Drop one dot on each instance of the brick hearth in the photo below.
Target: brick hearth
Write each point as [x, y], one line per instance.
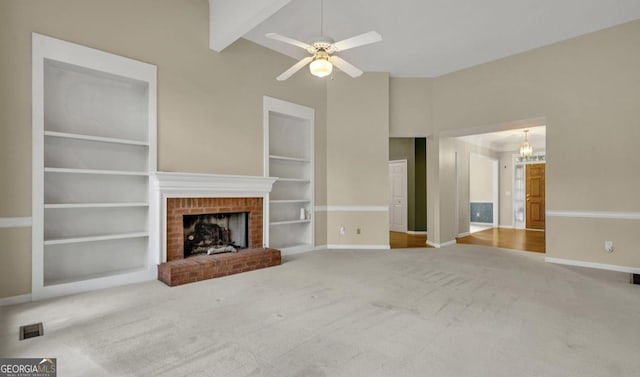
[178, 270]
[204, 267]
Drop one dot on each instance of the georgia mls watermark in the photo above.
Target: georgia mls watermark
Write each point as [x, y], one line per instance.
[28, 367]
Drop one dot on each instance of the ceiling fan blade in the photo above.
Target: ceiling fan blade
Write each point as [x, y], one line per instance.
[344, 66]
[295, 68]
[288, 40]
[358, 40]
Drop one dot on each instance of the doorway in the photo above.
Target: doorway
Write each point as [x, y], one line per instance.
[398, 196]
[529, 196]
[510, 228]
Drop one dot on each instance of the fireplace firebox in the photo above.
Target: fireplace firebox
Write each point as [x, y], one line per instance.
[214, 233]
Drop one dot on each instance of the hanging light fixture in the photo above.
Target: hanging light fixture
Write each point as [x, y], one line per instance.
[321, 66]
[526, 150]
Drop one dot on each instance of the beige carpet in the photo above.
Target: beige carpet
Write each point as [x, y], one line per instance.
[458, 311]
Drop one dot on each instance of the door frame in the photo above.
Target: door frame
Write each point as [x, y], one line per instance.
[406, 194]
[515, 163]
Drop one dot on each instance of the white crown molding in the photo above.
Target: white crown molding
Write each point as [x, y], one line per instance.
[595, 214]
[15, 222]
[440, 245]
[600, 266]
[357, 247]
[352, 209]
[13, 300]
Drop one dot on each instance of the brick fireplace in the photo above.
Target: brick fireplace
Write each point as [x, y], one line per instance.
[180, 194]
[177, 207]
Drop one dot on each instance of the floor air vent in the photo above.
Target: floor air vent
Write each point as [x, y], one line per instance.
[31, 331]
[635, 279]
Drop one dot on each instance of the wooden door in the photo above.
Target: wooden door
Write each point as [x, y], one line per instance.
[398, 196]
[535, 196]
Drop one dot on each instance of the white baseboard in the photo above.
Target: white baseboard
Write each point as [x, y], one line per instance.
[600, 266]
[15, 222]
[357, 247]
[21, 299]
[417, 232]
[439, 245]
[464, 234]
[321, 247]
[505, 226]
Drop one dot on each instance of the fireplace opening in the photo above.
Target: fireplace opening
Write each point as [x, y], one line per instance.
[215, 233]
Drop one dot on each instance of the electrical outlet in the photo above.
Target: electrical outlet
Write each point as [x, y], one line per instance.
[608, 246]
[342, 230]
[358, 231]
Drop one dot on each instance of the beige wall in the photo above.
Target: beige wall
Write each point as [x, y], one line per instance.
[464, 152]
[357, 152]
[209, 104]
[410, 107]
[480, 179]
[15, 254]
[588, 90]
[374, 228]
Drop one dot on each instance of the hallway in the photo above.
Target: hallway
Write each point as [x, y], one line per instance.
[517, 239]
[399, 240]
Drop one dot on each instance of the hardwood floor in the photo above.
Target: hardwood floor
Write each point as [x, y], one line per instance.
[517, 239]
[399, 240]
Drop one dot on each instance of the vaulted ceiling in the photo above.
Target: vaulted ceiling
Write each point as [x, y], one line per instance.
[421, 38]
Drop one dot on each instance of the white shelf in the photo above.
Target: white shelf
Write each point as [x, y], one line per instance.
[289, 155]
[289, 201]
[94, 149]
[104, 237]
[73, 279]
[94, 171]
[95, 205]
[67, 135]
[276, 223]
[285, 158]
[294, 180]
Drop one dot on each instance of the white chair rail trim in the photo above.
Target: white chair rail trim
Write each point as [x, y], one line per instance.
[15, 222]
[594, 214]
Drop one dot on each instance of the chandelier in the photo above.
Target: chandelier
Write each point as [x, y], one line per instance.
[525, 149]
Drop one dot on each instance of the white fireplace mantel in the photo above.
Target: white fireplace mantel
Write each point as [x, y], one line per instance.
[196, 185]
[190, 184]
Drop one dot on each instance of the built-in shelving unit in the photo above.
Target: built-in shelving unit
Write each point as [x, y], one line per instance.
[289, 157]
[94, 135]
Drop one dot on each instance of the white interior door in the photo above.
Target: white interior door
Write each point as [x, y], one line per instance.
[398, 195]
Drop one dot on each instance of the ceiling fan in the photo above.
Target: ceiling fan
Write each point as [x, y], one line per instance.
[322, 52]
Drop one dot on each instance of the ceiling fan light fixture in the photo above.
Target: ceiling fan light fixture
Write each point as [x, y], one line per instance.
[321, 67]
